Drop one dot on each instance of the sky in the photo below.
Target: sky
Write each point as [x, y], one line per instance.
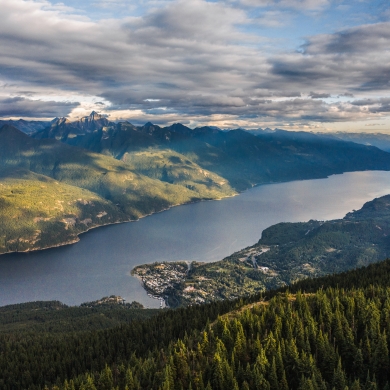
[315, 65]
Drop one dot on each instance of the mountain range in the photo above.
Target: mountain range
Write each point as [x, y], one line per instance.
[71, 176]
[28, 127]
[94, 121]
[238, 156]
[380, 140]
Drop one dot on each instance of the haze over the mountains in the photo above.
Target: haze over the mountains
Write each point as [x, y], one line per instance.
[63, 128]
[295, 64]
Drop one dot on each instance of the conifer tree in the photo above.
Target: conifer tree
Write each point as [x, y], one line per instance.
[245, 386]
[168, 383]
[355, 385]
[129, 380]
[105, 379]
[218, 373]
[381, 360]
[88, 384]
[273, 376]
[339, 380]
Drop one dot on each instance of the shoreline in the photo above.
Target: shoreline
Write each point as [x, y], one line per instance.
[148, 291]
[78, 238]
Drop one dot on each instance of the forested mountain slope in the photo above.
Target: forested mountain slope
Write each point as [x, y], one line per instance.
[50, 191]
[237, 156]
[380, 140]
[57, 318]
[330, 335]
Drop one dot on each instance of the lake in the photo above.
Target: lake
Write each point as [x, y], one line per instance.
[100, 264]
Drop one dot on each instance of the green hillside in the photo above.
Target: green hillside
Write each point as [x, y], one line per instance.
[286, 253]
[39, 216]
[331, 335]
[38, 212]
[144, 153]
[172, 167]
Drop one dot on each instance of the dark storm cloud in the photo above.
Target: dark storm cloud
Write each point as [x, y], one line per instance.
[357, 59]
[367, 102]
[315, 95]
[19, 106]
[360, 40]
[374, 105]
[346, 94]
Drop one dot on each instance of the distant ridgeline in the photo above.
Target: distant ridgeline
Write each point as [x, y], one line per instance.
[69, 177]
[322, 334]
[286, 253]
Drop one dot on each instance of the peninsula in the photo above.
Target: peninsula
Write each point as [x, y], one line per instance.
[285, 254]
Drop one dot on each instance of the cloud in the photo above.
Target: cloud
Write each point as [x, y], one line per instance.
[315, 95]
[374, 106]
[346, 94]
[369, 102]
[193, 59]
[20, 106]
[357, 40]
[273, 18]
[354, 60]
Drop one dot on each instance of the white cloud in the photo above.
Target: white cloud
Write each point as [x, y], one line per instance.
[191, 60]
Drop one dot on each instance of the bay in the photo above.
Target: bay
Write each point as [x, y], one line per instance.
[100, 264]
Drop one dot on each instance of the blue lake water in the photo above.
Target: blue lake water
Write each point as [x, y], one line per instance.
[100, 264]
